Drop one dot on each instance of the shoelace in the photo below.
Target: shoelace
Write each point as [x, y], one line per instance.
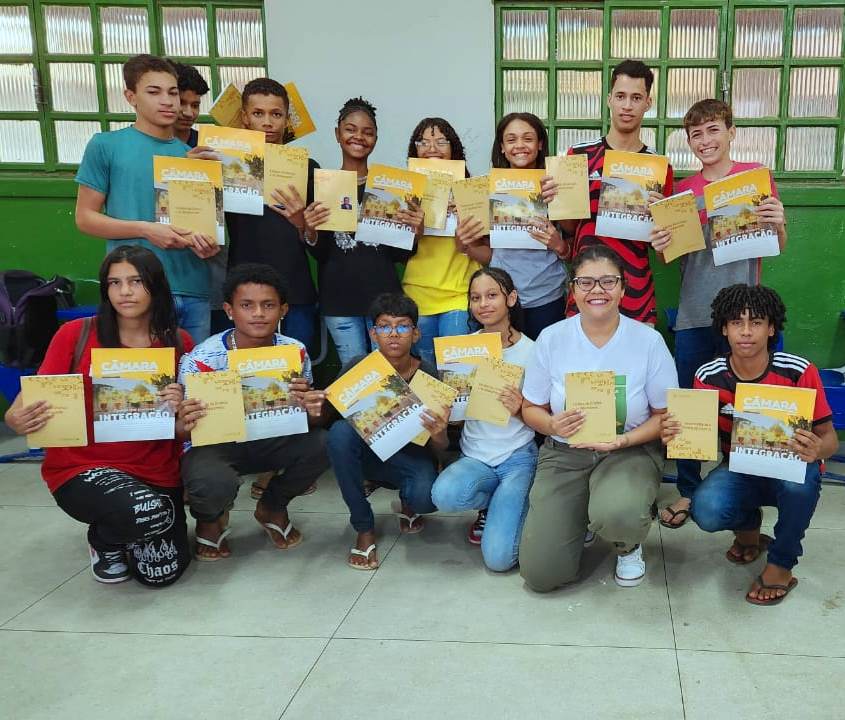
[480, 521]
[113, 557]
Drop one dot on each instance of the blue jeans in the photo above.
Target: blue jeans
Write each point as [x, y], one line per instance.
[469, 484]
[538, 319]
[693, 348]
[193, 315]
[300, 323]
[731, 501]
[411, 473]
[445, 324]
[350, 336]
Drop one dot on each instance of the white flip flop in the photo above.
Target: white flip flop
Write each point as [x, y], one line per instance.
[210, 543]
[269, 528]
[364, 554]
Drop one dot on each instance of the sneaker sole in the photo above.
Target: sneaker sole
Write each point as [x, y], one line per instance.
[590, 543]
[116, 580]
[628, 582]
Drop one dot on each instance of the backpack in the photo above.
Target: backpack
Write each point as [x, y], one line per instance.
[28, 305]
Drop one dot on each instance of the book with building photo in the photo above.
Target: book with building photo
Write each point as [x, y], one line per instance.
[242, 155]
[627, 178]
[679, 214]
[572, 200]
[285, 165]
[66, 396]
[458, 357]
[337, 190]
[472, 199]
[438, 192]
[389, 191]
[435, 395]
[516, 204]
[193, 210]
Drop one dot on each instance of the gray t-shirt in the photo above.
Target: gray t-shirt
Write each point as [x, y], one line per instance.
[539, 275]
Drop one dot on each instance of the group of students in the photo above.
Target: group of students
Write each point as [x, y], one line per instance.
[536, 508]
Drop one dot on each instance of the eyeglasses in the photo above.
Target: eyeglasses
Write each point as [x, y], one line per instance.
[606, 282]
[386, 330]
[428, 144]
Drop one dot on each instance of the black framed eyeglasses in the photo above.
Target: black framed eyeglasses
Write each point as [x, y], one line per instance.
[386, 330]
[605, 282]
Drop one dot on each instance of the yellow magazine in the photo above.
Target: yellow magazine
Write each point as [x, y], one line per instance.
[338, 191]
[378, 404]
[439, 222]
[388, 191]
[458, 356]
[435, 395]
[285, 165]
[572, 201]
[242, 155]
[224, 420]
[226, 109]
[627, 179]
[594, 393]
[265, 374]
[472, 198]
[679, 214]
[516, 203]
[167, 169]
[765, 419]
[300, 123]
[491, 378]
[125, 398]
[698, 413]
[66, 396]
[736, 233]
[193, 206]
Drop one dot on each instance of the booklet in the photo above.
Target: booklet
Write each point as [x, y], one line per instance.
[595, 394]
[224, 420]
[300, 123]
[438, 193]
[388, 191]
[736, 232]
[435, 395]
[125, 399]
[572, 201]
[285, 165]
[226, 111]
[338, 191]
[491, 377]
[515, 205]
[698, 413]
[626, 180]
[765, 419]
[265, 374]
[472, 198]
[66, 395]
[205, 172]
[679, 213]
[242, 155]
[458, 356]
[193, 206]
[378, 404]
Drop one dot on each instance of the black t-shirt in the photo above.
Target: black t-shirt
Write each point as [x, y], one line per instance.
[271, 239]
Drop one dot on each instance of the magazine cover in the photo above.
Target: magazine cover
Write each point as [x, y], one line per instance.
[125, 399]
[698, 413]
[516, 203]
[300, 122]
[388, 191]
[627, 179]
[242, 155]
[338, 191]
[379, 404]
[435, 395]
[265, 376]
[679, 214]
[285, 165]
[439, 221]
[224, 420]
[458, 356]
[736, 233]
[166, 169]
[472, 199]
[66, 396]
[572, 201]
[765, 419]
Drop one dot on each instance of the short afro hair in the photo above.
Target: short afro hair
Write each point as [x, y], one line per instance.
[189, 78]
[255, 274]
[394, 305]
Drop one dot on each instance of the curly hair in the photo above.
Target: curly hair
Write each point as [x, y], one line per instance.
[357, 104]
[458, 152]
[760, 302]
[254, 274]
[189, 78]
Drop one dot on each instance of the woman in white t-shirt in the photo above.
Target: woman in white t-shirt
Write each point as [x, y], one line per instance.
[496, 467]
[608, 489]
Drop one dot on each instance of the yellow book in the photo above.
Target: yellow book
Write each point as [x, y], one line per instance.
[472, 198]
[193, 206]
[627, 178]
[572, 201]
[458, 356]
[224, 420]
[66, 396]
[435, 395]
[765, 419]
[226, 109]
[300, 123]
[167, 169]
[242, 155]
[698, 413]
[265, 374]
[285, 165]
[491, 378]
[378, 404]
[516, 204]
[439, 222]
[388, 191]
[594, 393]
[679, 214]
[338, 191]
[735, 231]
[125, 399]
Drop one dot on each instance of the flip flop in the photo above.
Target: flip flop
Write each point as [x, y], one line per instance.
[364, 554]
[759, 547]
[396, 506]
[269, 528]
[775, 600]
[210, 543]
[674, 513]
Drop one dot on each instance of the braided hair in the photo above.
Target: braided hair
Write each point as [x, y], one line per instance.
[458, 152]
[760, 302]
[357, 104]
[516, 314]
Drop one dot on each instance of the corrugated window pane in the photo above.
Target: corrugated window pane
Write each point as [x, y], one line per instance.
[71, 138]
[677, 148]
[239, 33]
[694, 34]
[525, 91]
[239, 76]
[687, 86]
[758, 33]
[635, 34]
[649, 137]
[208, 98]
[817, 32]
[115, 101]
[525, 35]
[567, 137]
[20, 141]
[15, 31]
[579, 94]
[755, 144]
[579, 34]
[125, 30]
[755, 92]
[185, 31]
[16, 87]
[813, 91]
[68, 29]
[74, 87]
[652, 113]
[119, 124]
[810, 148]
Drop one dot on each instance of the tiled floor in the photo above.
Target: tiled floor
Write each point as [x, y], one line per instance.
[299, 635]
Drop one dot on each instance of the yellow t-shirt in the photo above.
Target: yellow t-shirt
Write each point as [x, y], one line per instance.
[437, 276]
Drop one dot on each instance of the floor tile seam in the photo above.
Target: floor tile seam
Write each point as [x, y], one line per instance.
[507, 643]
[43, 597]
[715, 651]
[113, 633]
[672, 621]
[304, 679]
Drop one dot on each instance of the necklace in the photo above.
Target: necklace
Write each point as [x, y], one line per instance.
[232, 340]
[362, 179]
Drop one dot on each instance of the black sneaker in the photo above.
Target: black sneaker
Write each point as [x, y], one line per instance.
[476, 530]
[109, 566]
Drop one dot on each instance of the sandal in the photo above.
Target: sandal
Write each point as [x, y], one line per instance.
[210, 543]
[256, 490]
[364, 554]
[674, 513]
[771, 601]
[743, 549]
[270, 528]
[412, 529]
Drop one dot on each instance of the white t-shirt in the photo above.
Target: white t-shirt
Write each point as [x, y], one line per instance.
[493, 444]
[636, 351]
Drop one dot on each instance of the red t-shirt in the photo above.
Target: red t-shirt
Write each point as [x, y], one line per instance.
[154, 461]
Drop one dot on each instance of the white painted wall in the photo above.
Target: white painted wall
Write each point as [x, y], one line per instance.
[411, 60]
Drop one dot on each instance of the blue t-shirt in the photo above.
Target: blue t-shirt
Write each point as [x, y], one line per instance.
[119, 164]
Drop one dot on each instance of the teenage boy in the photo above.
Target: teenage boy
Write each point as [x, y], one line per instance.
[629, 100]
[412, 470]
[750, 318]
[116, 201]
[255, 301]
[192, 88]
[276, 237]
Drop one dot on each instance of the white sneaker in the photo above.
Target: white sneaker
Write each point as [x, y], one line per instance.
[630, 568]
[589, 539]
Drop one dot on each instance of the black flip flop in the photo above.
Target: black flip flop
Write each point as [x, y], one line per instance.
[775, 600]
[760, 547]
[675, 514]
